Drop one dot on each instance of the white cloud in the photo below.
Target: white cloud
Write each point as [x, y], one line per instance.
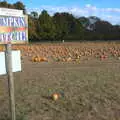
[109, 14]
[116, 10]
[90, 7]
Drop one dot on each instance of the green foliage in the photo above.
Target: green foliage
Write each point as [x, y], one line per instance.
[4, 4]
[19, 5]
[46, 27]
[61, 25]
[34, 14]
[65, 26]
[32, 28]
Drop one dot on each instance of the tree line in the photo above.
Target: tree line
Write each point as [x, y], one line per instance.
[65, 26]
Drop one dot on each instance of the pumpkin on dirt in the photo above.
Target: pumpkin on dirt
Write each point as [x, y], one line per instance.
[39, 59]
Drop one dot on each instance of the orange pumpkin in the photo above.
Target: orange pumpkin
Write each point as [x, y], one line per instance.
[55, 96]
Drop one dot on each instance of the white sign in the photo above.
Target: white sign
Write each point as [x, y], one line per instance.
[16, 62]
[11, 12]
[2, 63]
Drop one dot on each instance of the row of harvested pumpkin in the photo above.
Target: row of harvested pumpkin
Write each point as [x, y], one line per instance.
[39, 59]
[68, 53]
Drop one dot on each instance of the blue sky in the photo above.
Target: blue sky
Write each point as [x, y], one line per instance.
[105, 9]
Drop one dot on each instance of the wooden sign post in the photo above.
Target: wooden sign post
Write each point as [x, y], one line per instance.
[13, 30]
[8, 59]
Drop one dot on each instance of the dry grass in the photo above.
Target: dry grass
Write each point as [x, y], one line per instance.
[90, 91]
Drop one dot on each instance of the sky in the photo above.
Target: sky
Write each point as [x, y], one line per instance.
[108, 10]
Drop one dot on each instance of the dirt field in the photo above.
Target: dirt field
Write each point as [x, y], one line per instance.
[90, 90]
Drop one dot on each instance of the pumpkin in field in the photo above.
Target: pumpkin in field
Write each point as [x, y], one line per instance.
[44, 59]
[35, 59]
[55, 96]
[39, 59]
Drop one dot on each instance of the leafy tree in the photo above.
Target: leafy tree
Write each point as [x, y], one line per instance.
[65, 26]
[4, 4]
[19, 5]
[32, 28]
[34, 14]
[46, 27]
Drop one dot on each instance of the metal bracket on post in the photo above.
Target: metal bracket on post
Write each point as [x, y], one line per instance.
[8, 59]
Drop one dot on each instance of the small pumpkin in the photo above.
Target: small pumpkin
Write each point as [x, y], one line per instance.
[55, 96]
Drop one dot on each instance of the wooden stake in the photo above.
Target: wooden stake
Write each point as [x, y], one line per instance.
[8, 58]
